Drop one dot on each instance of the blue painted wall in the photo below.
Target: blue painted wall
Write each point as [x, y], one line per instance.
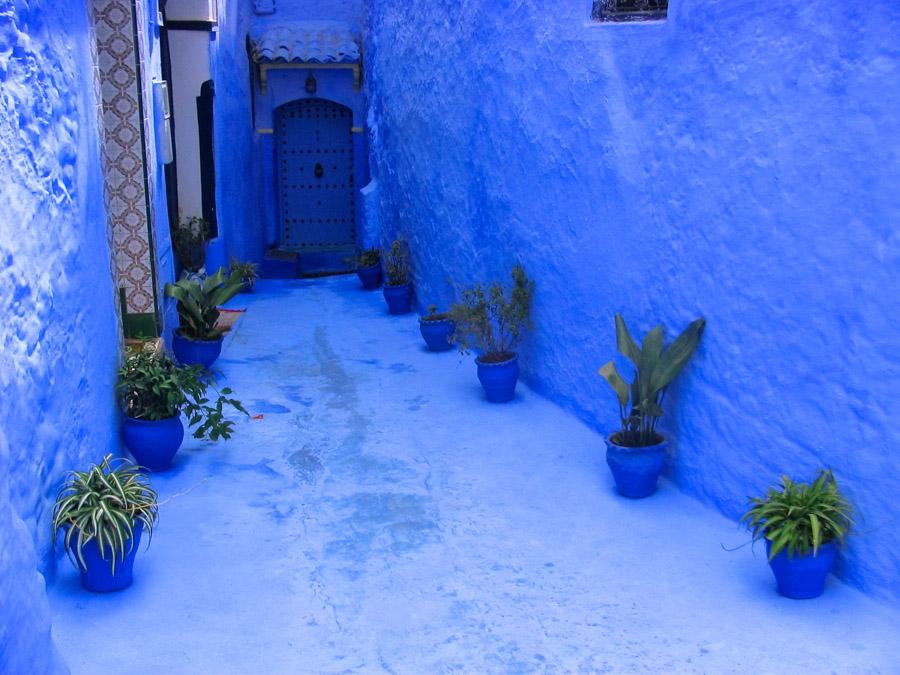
[349, 11]
[730, 161]
[58, 333]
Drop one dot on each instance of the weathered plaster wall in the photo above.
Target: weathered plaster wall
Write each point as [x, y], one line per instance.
[349, 11]
[729, 162]
[240, 192]
[58, 328]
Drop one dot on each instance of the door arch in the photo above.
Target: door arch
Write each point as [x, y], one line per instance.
[314, 172]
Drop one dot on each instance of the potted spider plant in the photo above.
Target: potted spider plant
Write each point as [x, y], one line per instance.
[246, 271]
[368, 268]
[494, 322]
[197, 340]
[102, 513]
[803, 525]
[437, 329]
[637, 453]
[155, 391]
[398, 287]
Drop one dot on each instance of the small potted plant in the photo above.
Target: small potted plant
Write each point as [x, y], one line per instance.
[155, 391]
[494, 324]
[398, 288]
[437, 329]
[368, 268]
[803, 525]
[636, 454]
[189, 243]
[197, 341]
[102, 513]
[246, 271]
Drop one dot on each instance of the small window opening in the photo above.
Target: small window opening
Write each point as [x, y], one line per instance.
[630, 10]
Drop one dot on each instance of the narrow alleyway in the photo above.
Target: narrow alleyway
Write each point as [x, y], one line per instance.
[381, 517]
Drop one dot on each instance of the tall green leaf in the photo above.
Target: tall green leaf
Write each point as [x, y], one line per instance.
[676, 355]
[650, 351]
[615, 380]
[626, 344]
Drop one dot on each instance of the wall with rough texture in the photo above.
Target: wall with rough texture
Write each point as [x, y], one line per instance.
[58, 329]
[350, 11]
[728, 162]
[239, 189]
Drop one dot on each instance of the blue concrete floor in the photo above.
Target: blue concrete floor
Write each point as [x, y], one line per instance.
[381, 517]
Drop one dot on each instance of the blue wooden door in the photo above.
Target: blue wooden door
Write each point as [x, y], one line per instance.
[314, 159]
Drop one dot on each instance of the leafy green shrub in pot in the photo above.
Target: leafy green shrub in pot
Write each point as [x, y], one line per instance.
[189, 242]
[636, 454]
[102, 513]
[155, 391]
[368, 268]
[369, 257]
[246, 271]
[493, 321]
[398, 287]
[197, 340]
[803, 525]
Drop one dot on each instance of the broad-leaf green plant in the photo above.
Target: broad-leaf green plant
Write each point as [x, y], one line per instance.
[246, 271]
[656, 366]
[800, 517]
[104, 504]
[153, 387]
[493, 319]
[189, 239]
[198, 303]
[396, 263]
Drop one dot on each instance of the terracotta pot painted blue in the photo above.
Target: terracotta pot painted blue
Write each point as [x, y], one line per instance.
[803, 577]
[437, 333]
[196, 352]
[636, 470]
[97, 576]
[398, 298]
[153, 444]
[498, 378]
[369, 276]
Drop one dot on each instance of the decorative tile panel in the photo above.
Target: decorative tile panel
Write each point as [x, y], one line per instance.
[125, 156]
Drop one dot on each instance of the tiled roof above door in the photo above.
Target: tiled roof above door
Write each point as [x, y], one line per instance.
[305, 42]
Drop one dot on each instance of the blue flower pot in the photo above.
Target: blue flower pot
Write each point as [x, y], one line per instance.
[153, 443]
[97, 576]
[803, 577]
[498, 378]
[636, 470]
[437, 333]
[369, 276]
[190, 352]
[398, 298]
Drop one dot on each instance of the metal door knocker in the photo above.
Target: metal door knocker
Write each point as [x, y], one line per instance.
[319, 171]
